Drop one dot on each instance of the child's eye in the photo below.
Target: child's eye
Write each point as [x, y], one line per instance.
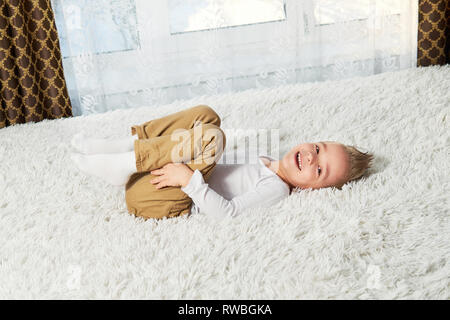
[318, 169]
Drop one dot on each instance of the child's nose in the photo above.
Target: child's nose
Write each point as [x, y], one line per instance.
[311, 157]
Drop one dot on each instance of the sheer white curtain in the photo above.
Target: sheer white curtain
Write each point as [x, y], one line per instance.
[131, 53]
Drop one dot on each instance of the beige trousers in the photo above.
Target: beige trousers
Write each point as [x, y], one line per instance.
[192, 136]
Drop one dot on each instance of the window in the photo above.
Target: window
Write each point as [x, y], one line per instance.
[196, 15]
[100, 27]
[335, 11]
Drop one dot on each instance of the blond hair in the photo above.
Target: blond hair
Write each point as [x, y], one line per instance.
[360, 162]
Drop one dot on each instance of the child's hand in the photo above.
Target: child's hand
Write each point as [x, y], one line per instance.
[172, 175]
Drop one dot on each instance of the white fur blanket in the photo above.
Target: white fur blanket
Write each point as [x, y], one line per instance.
[67, 235]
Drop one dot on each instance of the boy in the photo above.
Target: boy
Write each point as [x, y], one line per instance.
[161, 183]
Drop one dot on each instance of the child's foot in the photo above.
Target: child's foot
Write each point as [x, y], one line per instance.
[88, 145]
[113, 168]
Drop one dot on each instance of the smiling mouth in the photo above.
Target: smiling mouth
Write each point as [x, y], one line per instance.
[297, 160]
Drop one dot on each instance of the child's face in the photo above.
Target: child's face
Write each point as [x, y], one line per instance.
[323, 164]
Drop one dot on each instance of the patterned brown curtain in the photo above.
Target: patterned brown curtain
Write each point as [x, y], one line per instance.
[433, 37]
[32, 84]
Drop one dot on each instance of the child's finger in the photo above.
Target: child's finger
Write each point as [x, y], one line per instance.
[160, 185]
[156, 180]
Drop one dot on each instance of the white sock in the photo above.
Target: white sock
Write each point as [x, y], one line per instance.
[114, 168]
[88, 145]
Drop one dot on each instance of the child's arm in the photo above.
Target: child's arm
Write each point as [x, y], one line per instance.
[215, 205]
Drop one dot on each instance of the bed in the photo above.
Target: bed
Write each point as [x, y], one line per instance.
[65, 235]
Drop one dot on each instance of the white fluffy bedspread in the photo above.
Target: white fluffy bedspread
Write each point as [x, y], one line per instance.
[67, 235]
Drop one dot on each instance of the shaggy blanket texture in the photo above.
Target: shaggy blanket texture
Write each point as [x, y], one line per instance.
[67, 235]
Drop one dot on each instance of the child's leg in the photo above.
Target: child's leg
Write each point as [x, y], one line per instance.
[114, 162]
[181, 146]
[185, 119]
[202, 147]
[150, 154]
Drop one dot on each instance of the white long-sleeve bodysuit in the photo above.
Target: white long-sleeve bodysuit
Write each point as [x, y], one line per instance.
[232, 188]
